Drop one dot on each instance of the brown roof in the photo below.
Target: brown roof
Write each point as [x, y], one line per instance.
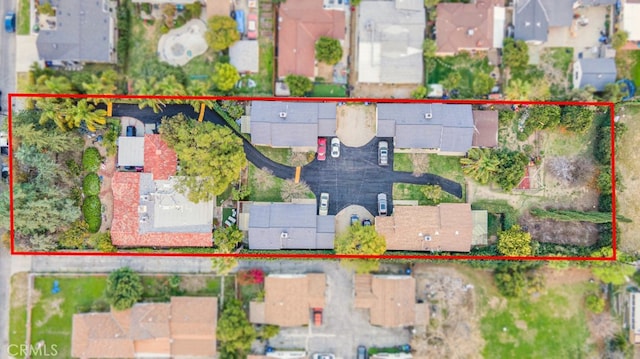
[288, 299]
[186, 326]
[159, 159]
[465, 26]
[125, 223]
[391, 300]
[449, 227]
[300, 25]
[485, 133]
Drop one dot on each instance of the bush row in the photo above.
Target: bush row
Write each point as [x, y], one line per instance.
[92, 211]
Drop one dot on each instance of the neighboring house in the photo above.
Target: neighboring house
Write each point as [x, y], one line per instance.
[244, 56]
[389, 39]
[291, 225]
[289, 299]
[147, 209]
[533, 18]
[631, 23]
[446, 129]
[447, 227]
[390, 299]
[82, 31]
[634, 317]
[300, 25]
[468, 27]
[594, 72]
[182, 328]
[291, 124]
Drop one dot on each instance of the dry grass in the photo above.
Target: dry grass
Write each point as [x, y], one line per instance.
[291, 190]
[420, 162]
[263, 179]
[628, 166]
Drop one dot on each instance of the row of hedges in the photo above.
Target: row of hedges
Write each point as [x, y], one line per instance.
[92, 211]
[91, 207]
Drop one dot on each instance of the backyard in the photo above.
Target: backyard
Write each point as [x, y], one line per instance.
[463, 64]
[628, 65]
[628, 165]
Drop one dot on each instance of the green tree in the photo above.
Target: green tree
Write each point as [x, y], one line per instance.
[361, 240]
[91, 184]
[419, 93]
[431, 3]
[577, 118]
[226, 239]
[235, 109]
[482, 84]
[43, 242]
[44, 140]
[429, 47]
[619, 39]
[298, 85]
[169, 86]
[452, 81]
[543, 117]
[268, 331]
[102, 242]
[515, 242]
[615, 273]
[222, 33]
[511, 169]
[75, 236]
[515, 54]
[481, 164]
[124, 288]
[85, 113]
[225, 76]
[199, 88]
[91, 159]
[92, 212]
[432, 193]
[223, 265]
[595, 303]
[38, 167]
[147, 86]
[613, 92]
[211, 156]
[57, 85]
[234, 332]
[328, 50]
[517, 89]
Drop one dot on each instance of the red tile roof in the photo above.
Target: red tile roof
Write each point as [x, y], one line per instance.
[159, 159]
[301, 25]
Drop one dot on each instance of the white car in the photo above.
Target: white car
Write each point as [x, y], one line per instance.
[324, 204]
[323, 356]
[335, 147]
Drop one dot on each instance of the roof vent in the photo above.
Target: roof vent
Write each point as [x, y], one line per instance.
[284, 235]
[427, 238]
[283, 115]
[144, 197]
[470, 32]
[428, 116]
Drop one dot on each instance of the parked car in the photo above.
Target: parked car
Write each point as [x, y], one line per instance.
[323, 356]
[322, 149]
[324, 204]
[362, 352]
[383, 153]
[240, 21]
[4, 144]
[5, 173]
[10, 21]
[354, 219]
[317, 316]
[366, 222]
[131, 131]
[335, 147]
[252, 26]
[382, 204]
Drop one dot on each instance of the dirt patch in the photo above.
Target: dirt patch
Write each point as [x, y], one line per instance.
[356, 124]
[550, 231]
[192, 284]
[453, 330]
[383, 90]
[19, 289]
[325, 72]
[569, 276]
[51, 308]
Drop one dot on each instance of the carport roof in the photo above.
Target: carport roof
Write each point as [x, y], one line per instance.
[288, 299]
[485, 133]
[303, 227]
[391, 299]
[131, 151]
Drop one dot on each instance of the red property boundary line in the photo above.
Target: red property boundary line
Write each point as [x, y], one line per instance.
[610, 105]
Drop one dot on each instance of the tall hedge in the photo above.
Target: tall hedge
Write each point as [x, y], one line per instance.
[92, 211]
[91, 159]
[91, 184]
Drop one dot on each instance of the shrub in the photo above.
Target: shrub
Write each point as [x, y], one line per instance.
[91, 184]
[91, 159]
[595, 303]
[92, 211]
[74, 167]
[76, 196]
[75, 236]
[102, 242]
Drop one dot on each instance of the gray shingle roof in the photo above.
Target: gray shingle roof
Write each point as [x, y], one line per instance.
[84, 32]
[304, 228]
[597, 72]
[304, 122]
[534, 17]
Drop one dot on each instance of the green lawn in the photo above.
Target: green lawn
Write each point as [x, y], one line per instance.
[560, 57]
[271, 194]
[403, 191]
[23, 18]
[280, 155]
[328, 90]
[52, 314]
[465, 65]
[446, 166]
[563, 143]
[552, 326]
[18, 311]
[402, 162]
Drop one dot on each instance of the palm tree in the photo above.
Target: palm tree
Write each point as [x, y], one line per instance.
[85, 112]
[52, 110]
[58, 85]
[170, 86]
[105, 84]
[199, 88]
[147, 87]
[480, 164]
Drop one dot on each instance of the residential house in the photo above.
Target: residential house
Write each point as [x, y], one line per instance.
[289, 299]
[631, 23]
[389, 39]
[290, 124]
[447, 227]
[300, 25]
[291, 225]
[476, 26]
[594, 72]
[183, 328]
[244, 56]
[533, 18]
[147, 209]
[446, 129]
[390, 300]
[81, 31]
[633, 316]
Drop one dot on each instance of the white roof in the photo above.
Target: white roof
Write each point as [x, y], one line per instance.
[631, 21]
[131, 151]
[244, 56]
